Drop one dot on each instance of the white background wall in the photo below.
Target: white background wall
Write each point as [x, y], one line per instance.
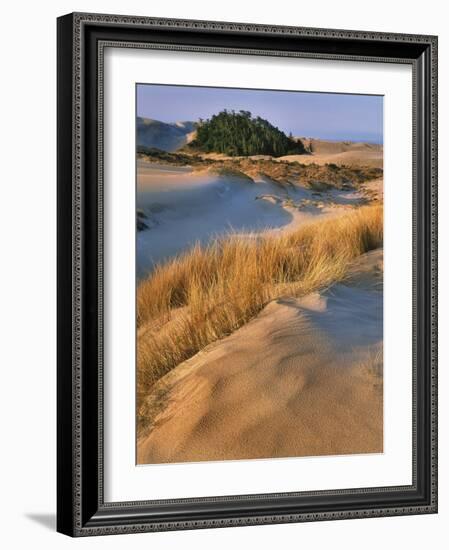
[27, 273]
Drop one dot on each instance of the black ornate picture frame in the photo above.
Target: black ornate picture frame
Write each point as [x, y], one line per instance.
[81, 509]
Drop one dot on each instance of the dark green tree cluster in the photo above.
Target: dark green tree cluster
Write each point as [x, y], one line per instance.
[239, 133]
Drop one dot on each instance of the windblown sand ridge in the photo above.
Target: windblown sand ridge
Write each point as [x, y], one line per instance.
[303, 378]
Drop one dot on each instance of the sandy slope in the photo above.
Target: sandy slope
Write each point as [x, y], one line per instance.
[374, 189]
[303, 378]
[316, 145]
[184, 207]
[372, 158]
[325, 152]
[163, 135]
[353, 157]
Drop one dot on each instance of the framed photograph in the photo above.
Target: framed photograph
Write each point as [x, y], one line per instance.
[246, 274]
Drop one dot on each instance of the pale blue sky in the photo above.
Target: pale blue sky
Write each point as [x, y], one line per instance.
[309, 114]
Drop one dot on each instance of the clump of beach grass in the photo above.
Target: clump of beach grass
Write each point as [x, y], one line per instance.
[210, 291]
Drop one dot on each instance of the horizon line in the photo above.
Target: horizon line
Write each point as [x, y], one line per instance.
[378, 140]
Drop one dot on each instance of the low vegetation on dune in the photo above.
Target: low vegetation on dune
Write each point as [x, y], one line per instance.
[210, 291]
[285, 172]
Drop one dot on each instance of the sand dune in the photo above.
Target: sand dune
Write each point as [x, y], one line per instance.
[303, 378]
[163, 135]
[184, 207]
[371, 158]
[324, 152]
[349, 153]
[323, 146]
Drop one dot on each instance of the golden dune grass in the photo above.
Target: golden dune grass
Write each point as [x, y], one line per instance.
[210, 291]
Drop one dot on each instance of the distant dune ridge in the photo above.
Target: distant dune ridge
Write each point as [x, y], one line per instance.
[323, 146]
[347, 153]
[162, 135]
[174, 136]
